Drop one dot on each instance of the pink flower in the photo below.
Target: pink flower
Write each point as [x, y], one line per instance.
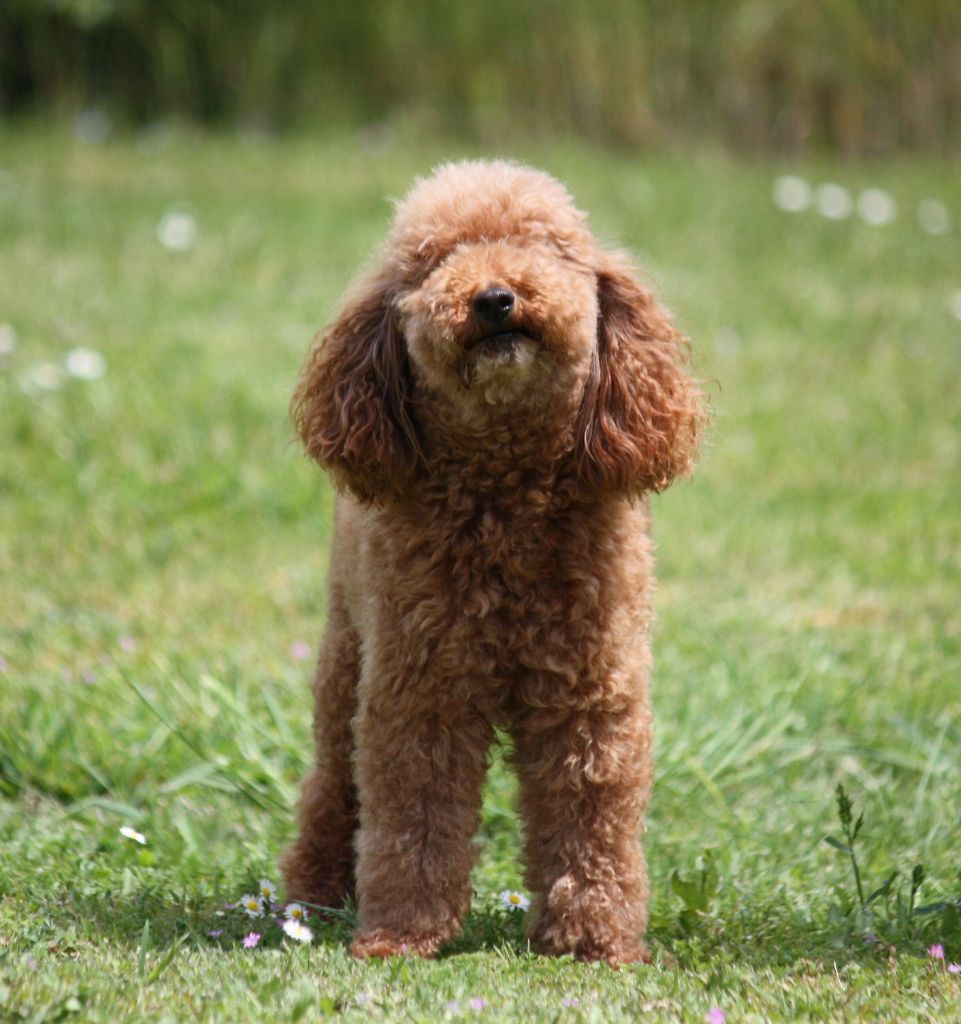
[478, 1004]
[715, 1015]
[215, 933]
[954, 968]
[251, 940]
[127, 643]
[936, 952]
[300, 650]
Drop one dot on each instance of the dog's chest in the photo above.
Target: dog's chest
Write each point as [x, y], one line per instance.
[514, 585]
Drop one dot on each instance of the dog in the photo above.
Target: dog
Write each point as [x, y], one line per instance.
[494, 402]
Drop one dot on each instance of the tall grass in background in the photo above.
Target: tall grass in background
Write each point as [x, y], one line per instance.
[859, 76]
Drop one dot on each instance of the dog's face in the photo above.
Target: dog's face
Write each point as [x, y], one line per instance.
[491, 300]
[497, 301]
[495, 317]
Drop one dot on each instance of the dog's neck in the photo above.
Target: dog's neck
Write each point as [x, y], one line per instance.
[500, 452]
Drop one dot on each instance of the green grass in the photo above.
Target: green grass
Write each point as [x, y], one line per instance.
[163, 549]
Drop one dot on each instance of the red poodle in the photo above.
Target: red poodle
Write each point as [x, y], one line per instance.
[494, 402]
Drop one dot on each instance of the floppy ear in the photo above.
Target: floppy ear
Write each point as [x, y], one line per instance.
[352, 403]
[642, 414]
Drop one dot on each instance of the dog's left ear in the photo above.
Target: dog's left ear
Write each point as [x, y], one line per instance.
[642, 413]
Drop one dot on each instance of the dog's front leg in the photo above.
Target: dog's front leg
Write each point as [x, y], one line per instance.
[585, 776]
[421, 760]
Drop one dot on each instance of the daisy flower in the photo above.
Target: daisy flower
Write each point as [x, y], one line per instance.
[792, 194]
[295, 912]
[131, 833]
[514, 900]
[42, 377]
[268, 891]
[251, 940]
[300, 649]
[85, 364]
[297, 930]
[8, 339]
[833, 201]
[177, 231]
[253, 905]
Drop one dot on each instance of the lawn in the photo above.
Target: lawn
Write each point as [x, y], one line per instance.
[163, 549]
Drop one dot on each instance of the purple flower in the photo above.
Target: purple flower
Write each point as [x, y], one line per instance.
[300, 649]
[954, 968]
[477, 1004]
[127, 643]
[936, 952]
[251, 940]
[215, 933]
[569, 1001]
[715, 1015]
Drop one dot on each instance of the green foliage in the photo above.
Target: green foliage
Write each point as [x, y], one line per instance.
[856, 75]
[163, 551]
[887, 914]
[696, 893]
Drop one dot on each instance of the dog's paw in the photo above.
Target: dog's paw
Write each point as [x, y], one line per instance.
[616, 954]
[593, 945]
[378, 944]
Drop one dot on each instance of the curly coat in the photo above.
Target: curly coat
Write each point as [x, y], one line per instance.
[491, 567]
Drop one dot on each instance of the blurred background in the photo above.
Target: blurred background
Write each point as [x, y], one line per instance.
[857, 76]
[187, 186]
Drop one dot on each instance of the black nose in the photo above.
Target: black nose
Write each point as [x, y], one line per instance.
[493, 306]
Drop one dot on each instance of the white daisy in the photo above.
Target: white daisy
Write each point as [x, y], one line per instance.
[85, 364]
[42, 377]
[252, 905]
[514, 900]
[268, 890]
[297, 930]
[833, 201]
[933, 217]
[131, 833]
[954, 303]
[177, 231]
[295, 912]
[8, 339]
[877, 207]
[791, 193]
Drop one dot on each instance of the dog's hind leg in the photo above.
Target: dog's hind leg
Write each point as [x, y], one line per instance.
[319, 867]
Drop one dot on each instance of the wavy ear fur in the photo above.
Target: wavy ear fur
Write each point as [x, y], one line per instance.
[352, 403]
[642, 414]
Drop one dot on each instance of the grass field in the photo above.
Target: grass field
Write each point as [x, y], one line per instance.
[163, 550]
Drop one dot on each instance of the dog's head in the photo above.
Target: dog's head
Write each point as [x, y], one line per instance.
[490, 299]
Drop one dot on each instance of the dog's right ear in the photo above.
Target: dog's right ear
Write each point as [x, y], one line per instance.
[352, 403]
